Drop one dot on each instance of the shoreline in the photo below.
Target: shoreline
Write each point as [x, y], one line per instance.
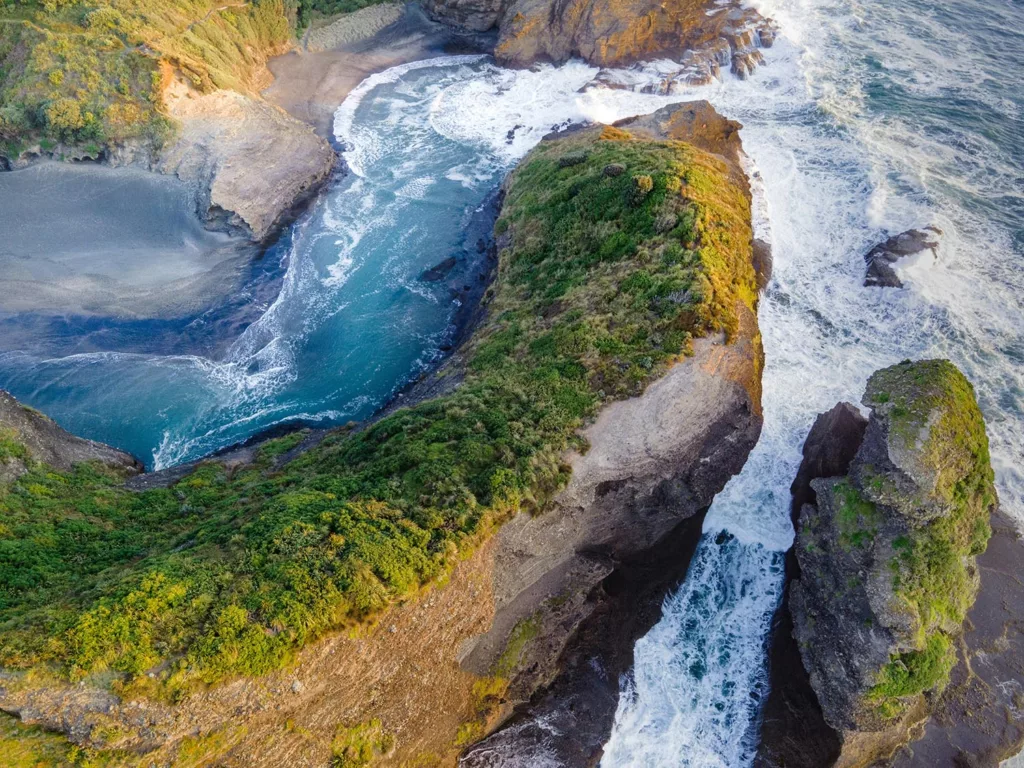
[324, 79]
[311, 85]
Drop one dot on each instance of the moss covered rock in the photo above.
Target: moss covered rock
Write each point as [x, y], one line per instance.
[887, 555]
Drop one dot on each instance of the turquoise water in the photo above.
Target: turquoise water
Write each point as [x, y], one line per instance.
[352, 322]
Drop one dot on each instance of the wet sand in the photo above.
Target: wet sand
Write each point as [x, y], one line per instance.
[91, 240]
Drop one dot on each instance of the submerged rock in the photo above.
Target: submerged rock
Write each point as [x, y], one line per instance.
[885, 570]
[439, 271]
[881, 258]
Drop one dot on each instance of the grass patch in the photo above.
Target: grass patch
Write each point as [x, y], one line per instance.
[24, 746]
[92, 72]
[229, 573]
[913, 673]
[858, 519]
[360, 745]
[310, 10]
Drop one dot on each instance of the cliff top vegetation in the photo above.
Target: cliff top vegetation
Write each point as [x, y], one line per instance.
[936, 430]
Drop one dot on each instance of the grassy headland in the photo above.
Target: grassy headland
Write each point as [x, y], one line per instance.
[616, 253]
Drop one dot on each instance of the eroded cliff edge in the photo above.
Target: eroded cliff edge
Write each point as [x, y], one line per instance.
[355, 598]
[873, 662]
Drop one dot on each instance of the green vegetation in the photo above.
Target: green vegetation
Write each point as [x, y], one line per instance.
[93, 72]
[858, 518]
[23, 746]
[358, 746]
[230, 572]
[203, 750]
[933, 568]
[10, 448]
[308, 10]
[912, 673]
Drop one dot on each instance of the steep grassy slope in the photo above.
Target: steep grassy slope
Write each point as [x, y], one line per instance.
[616, 253]
[88, 72]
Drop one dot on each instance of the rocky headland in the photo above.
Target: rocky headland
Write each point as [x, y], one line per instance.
[398, 590]
[703, 36]
[880, 655]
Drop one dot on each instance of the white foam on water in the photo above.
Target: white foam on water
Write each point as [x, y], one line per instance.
[833, 185]
[512, 110]
[689, 699]
[357, 151]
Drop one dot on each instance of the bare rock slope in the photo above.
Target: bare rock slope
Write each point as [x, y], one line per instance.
[39, 438]
[252, 162]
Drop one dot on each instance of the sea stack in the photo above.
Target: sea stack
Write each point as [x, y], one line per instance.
[886, 564]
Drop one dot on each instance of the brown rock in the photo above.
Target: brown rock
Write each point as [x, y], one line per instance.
[45, 441]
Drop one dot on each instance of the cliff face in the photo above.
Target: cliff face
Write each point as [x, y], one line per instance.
[440, 666]
[885, 569]
[252, 162]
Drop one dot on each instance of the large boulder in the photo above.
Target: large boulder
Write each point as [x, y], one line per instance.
[880, 260]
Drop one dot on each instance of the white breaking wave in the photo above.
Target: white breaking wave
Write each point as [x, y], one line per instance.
[361, 146]
[698, 680]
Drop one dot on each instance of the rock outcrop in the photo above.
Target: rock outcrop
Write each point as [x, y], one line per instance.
[27, 435]
[884, 572]
[251, 162]
[881, 258]
[702, 36]
[531, 613]
[625, 528]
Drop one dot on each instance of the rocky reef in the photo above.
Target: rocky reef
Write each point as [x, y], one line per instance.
[881, 259]
[397, 590]
[893, 514]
